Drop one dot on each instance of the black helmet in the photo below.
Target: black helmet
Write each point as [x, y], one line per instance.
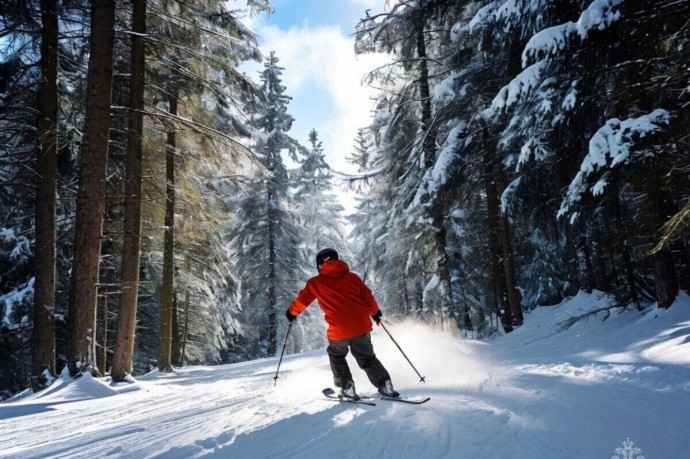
[325, 255]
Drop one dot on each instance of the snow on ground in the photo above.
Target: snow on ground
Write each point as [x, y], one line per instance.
[608, 385]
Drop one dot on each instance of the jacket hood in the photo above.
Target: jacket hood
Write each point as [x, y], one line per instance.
[334, 268]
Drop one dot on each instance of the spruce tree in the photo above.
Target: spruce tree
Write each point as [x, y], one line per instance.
[266, 237]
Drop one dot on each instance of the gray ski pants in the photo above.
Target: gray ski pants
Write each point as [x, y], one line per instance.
[363, 352]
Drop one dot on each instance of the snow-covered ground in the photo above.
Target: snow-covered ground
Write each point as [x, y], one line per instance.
[598, 389]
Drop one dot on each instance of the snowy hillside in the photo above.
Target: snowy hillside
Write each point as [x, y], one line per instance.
[597, 389]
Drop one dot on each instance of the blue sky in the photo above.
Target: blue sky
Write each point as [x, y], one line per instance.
[314, 42]
[342, 13]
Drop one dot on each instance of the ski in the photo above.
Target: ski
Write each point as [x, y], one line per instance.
[331, 395]
[413, 401]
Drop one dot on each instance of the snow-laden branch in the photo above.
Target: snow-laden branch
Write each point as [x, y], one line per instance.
[599, 15]
[439, 175]
[610, 147]
[522, 84]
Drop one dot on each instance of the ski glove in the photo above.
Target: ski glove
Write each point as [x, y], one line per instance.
[377, 317]
[289, 316]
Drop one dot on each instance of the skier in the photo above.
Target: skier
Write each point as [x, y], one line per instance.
[347, 303]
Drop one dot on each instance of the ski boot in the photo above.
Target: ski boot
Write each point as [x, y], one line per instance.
[348, 391]
[386, 389]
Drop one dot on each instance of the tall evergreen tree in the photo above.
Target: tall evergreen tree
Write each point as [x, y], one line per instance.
[46, 194]
[361, 155]
[267, 236]
[193, 50]
[319, 210]
[126, 319]
[411, 33]
[319, 213]
[91, 197]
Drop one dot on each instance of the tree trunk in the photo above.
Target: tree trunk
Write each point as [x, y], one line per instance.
[165, 353]
[627, 256]
[447, 300]
[495, 237]
[429, 153]
[587, 253]
[178, 331]
[600, 271]
[512, 292]
[495, 248]
[91, 196]
[176, 341]
[665, 278]
[185, 328]
[104, 346]
[429, 141]
[665, 275]
[46, 189]
[126, 319]
[271, 288]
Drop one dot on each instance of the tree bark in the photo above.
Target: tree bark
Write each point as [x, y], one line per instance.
[665, 276]
[272, 278]
[495, 248]
[429, 141]
[46, 189]
[600, 271]
[626, 252]
[178, 328]
[185, 328]
[126, 319]
[496, 237]
[165, 353]
[587, 253]
[512, 292]
[91, 196]
[447, 300]
[176, 342]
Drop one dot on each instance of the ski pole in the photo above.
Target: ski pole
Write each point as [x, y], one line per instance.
[275, 378]
[422, 378]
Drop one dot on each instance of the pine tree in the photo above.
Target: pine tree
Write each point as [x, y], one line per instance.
[46, 168]
[126, 324]
[319, 214]
[409, 32]
[318, 208]
[267, 237]
[361, 155]
[91, 197]
[193, 50]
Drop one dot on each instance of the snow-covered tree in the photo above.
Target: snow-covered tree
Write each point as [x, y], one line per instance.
[319, 210]
[414, 33]
[196, 101]
[361, 155]
[319, 213]
[266, 237]
[534, 102]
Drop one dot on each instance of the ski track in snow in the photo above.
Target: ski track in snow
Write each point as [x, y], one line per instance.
[536, 393]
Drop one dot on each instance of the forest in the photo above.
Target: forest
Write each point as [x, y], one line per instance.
[156, 211]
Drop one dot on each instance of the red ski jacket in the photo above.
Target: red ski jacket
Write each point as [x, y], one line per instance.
[345, 299]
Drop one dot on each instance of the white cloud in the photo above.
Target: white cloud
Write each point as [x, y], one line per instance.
[323, 57]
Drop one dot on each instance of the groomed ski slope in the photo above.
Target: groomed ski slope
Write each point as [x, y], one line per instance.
[540, 392]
